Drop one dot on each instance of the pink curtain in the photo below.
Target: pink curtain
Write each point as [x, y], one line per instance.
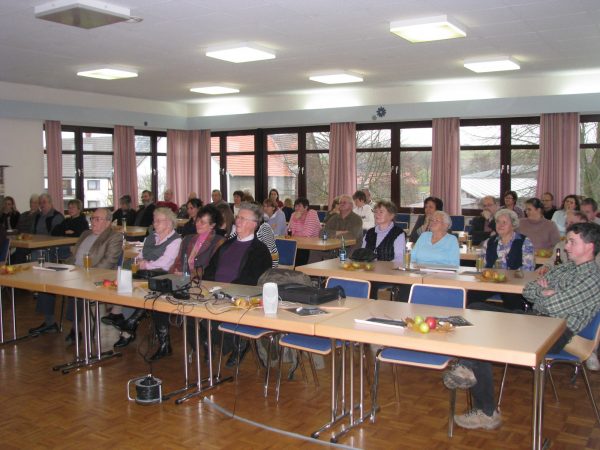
[125, 173]
[54, 157]
[188, 163]
[342, 160]
[445, 169]
[559, 155]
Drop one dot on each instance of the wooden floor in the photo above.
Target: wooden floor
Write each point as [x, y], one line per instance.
[41, 408]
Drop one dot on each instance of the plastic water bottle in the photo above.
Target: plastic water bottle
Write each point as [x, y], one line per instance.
[343, 253]
[325, 235]
[186, 269]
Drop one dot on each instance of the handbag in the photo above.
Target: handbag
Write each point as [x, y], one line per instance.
[310, 295]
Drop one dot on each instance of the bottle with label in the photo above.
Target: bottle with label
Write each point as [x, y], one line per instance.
[186, 269]
[343, 253]
[557, 258]
[325, 235]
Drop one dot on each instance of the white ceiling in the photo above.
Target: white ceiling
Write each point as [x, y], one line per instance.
[167, 47]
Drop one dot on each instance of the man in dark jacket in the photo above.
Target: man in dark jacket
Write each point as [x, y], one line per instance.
[484, 226]
[145, 214]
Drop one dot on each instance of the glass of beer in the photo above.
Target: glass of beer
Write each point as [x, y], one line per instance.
[469, 243]
[407, 259]
[135, 266]
[480, 261]
[87, 261]
[41, 258]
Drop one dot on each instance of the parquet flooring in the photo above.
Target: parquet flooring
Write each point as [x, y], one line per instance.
[89, 408]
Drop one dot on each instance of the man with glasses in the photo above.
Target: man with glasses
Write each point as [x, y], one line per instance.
[484, 226]
[103, 245]
[241, 260]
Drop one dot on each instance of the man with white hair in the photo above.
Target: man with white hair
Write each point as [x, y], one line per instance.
[25, 224]
[168, 201]
[484, 226]
[347, 223]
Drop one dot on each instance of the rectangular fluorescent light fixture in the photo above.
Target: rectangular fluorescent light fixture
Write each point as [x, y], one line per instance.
[82, 13]
[241, 53]
[498, 64]
[336, 78]
[427, 29]
[215, 90]
[107, 74]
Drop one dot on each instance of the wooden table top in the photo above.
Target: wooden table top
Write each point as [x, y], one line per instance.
[506, 338]
[37, 241]
[469, 279]
[383, 271]
[315, 243]
[132, 231]
[471, 255]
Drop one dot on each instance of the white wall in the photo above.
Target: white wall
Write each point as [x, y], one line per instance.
[21, 148]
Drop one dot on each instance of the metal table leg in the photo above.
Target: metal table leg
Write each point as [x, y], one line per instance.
[186, 383]
[13, 320]
[539, 376]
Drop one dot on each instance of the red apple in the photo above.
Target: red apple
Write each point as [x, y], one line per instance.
[432, 322]
[107, 283]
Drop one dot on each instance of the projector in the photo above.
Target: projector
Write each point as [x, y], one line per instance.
[167, 283]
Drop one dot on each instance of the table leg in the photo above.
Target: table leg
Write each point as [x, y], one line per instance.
[13, 320]
[186, 384]
[539, 374]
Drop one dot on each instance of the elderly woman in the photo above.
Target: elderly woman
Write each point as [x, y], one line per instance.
[72, 226]
[304, 222]
[437, 247]
[510, 202]
[10, 215]
[569, 203]
[193, 206]
[334, 209]
[430, 206]
[274, 217]
[507, 250]
[386, 239]
[160, 250]
[274, 195]
[542, 232]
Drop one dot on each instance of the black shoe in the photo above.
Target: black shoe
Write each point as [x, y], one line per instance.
[233, 358]
[43, 328]
[124, 341]
[70, 339]
[164, 343]
[111, 319]
[130, 325]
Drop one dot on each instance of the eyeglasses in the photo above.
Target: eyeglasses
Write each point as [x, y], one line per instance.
[97, 219]
[245, 219]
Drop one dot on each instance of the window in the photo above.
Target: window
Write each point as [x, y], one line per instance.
[282, 164]
[93, 185]
[316, 168]
[93, 204]
[414, 165]
[373, 161]
[589, 160]
[151, 160]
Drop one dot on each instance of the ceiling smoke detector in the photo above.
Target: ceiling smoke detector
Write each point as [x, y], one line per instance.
[83, 13]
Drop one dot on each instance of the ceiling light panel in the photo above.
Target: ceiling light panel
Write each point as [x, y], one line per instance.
[107, 74]
[427, 29]
[215, 90]
[241, 53]
[336, 78]
[83, 13]
[498, 64]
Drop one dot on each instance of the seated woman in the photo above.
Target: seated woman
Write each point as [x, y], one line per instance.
[304, 223]
[430, 206]
[10, 215]
[240, 260]
[125, 211]
[437, 247]
[288, 208]
[72, 226]
[193, 206]
[274, 195]
[569, 203]
[510, 203]
[274, 217]
[160, 250]
[507, 250]
[335, 209]
[542, 232]
[386, 239]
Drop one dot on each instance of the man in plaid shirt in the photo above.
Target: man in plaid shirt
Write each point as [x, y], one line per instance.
[569, 291]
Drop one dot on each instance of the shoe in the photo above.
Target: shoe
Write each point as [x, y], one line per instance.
[476, 418]
[70, 339]
[164, 343]
[233, 357]
[459, 377]
[130, 325]
[124, 341]
[43, 328]
[592, 362]
[111, 319]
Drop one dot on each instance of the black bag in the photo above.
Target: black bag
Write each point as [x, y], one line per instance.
[309, 295]
[363, 255]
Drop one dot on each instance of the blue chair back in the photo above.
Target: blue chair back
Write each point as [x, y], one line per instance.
[402, 225]
[322, 215]
[4, 250]
[287, 251]
[352, 288]
[425, 294]
[592, 329]
[402, 217]
[458, 223]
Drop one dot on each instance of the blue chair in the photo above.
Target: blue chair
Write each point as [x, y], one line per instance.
[402, 217]
[313, 344]
[322, 215]
[402, 225]
[458, 223]
[591, 336]
[4, 251]
[287, 252]
[423, 294]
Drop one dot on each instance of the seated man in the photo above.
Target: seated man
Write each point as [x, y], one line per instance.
[168, 201]
[569, 291]
[484, 226]
[104, 247]
[145, 214]
[242, 260]
[347, 223]
[363, 210]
